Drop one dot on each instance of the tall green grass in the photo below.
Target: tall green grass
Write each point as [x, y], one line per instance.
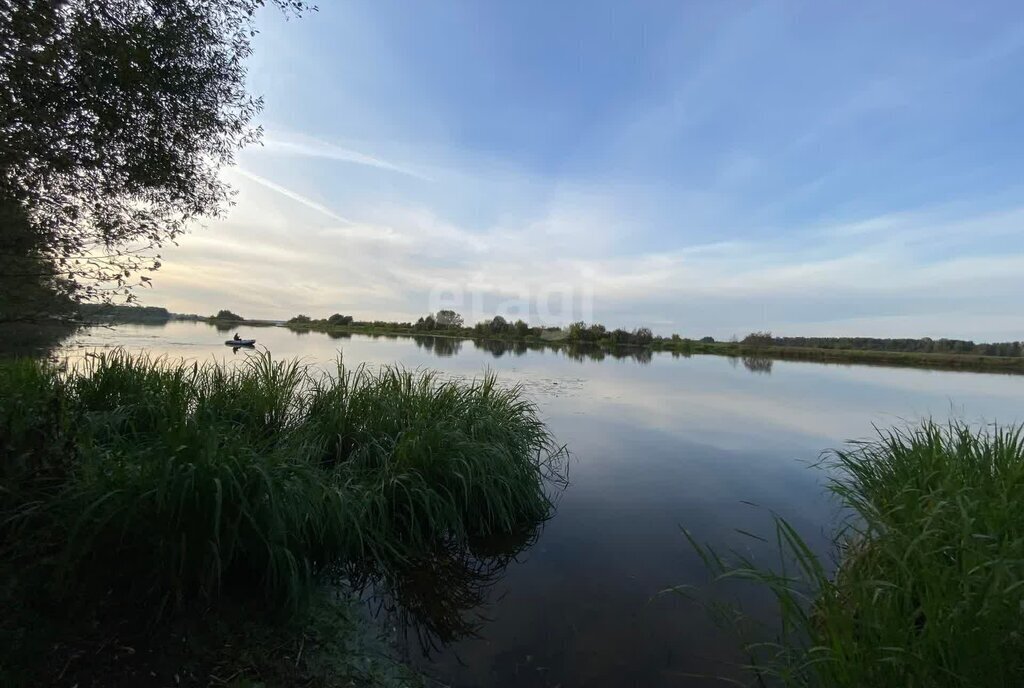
[168, 482]
[928, 589]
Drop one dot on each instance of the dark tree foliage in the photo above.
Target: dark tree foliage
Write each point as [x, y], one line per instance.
[581, 333]
[339, 319]
[121, 313]
[29, 288]
[448, 318]
[442, 320]
[643, 336]
[115, 119]
[758, 339]
[225, 314]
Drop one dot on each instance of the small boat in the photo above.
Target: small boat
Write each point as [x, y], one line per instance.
[240, 342]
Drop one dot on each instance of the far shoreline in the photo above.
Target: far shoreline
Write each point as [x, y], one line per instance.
[560, 338]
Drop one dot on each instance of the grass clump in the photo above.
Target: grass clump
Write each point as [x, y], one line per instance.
[928, 588]
[174, 485]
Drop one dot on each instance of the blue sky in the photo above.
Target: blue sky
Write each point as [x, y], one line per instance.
[700, 167]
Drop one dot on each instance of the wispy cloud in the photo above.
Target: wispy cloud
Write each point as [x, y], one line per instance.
[802, 281]
[799, 170]
[307, 146]
[295, 196]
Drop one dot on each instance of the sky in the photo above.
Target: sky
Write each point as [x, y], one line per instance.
[706, 168]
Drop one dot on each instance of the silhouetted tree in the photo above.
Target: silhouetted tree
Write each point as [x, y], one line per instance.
[115, 120]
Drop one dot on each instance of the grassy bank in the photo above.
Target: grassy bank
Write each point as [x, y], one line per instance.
[929, 585]
[141, 496]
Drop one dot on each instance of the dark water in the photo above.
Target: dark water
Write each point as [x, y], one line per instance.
[657, 442]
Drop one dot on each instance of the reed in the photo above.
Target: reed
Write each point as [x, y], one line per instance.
[928, 589]
[171, 482]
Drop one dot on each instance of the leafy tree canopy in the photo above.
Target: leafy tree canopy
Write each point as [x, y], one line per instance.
[115, 119]
[339, 319]
[448, 318]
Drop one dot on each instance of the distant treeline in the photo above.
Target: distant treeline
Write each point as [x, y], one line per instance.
[924, 345]
[451, 323]
[122, 313]
[576, 333]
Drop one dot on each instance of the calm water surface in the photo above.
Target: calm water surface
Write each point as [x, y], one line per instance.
[656, 444]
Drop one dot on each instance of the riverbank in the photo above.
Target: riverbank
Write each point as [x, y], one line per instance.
[929, 585]
[555, 338]
[244, 507]
[965, 362]
[1004, 357]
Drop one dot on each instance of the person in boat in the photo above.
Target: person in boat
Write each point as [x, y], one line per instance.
[237, 338]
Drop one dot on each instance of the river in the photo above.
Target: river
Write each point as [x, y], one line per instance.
[657, 442]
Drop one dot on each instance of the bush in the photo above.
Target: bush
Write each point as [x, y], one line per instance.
[225, 314]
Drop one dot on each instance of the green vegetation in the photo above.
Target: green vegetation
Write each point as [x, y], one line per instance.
[595, 341]
[227, 316]
[930, 580]
[121, 313]
[925, 345]
[221, 490]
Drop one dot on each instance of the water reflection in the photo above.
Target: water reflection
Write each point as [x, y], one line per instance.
[442, 347]
[584, 352]
[498, 347]
[34, 339]
[758, 364]
[443, 596]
